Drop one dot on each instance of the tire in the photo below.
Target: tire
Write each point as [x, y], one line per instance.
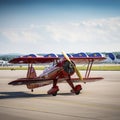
[77, 93]
[54, 94]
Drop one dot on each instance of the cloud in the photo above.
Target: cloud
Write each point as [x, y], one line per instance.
[26, 36]
[87, 31]
[91, 30]
[93, 34]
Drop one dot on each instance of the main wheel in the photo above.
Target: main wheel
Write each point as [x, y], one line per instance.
[53, 91]
[77, 92]
[54, 94]
[78, 88]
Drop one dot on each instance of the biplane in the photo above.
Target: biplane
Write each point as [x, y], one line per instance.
[61, 70]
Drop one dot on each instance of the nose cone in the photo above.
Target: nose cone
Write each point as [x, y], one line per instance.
[68, 67]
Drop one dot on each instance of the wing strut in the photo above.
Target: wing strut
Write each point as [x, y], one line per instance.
[89, 66]
[31, 73]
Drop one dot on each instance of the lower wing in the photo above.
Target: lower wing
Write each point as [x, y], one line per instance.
[43, 82]
[90, 79]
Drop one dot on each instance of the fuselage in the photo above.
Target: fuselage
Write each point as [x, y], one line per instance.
[58, 70]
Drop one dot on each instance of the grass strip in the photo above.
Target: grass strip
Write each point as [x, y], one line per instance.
[95, 68]
[101, 68]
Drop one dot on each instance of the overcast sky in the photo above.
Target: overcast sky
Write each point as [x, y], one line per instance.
[51, 26]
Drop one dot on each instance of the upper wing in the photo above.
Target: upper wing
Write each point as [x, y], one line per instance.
[87, 59]
[20, 60]
[33, 60]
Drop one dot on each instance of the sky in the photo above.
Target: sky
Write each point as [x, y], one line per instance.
[52, 26]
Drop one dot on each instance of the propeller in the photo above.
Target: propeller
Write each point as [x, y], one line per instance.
[76, 70]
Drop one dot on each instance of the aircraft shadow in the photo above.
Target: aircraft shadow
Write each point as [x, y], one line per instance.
[12, 95]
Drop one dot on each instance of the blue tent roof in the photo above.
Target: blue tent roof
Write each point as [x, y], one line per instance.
[111, 56]
[80, 55]
[95, 55]
[30, 55]
[61, 55]
[51, 55]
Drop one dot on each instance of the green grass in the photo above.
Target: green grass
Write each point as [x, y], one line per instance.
[20, 68]
[102, 68]
[80, 67]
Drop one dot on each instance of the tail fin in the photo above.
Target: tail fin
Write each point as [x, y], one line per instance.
[31, 72]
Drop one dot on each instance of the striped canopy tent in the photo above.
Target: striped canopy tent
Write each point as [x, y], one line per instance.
[111, 56]
[50, 55]
[83, 55]
[30, 56]
[95, 55]
[61, 55]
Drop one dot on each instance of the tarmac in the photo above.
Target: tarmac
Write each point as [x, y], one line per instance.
[98, 100]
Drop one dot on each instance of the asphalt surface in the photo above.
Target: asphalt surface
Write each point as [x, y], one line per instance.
[98, 100]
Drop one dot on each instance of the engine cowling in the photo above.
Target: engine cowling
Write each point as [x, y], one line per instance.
[68, 67]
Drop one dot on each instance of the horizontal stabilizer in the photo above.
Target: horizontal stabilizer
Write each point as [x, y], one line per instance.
[25, 81]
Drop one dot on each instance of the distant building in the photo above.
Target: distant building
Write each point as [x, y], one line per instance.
[4, 63]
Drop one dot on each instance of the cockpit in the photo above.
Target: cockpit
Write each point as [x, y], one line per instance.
[51, 65]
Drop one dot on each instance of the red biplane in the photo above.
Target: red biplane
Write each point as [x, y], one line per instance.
[61, 70]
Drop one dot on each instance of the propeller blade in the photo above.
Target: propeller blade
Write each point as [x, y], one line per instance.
[76, 70]
[78, 73]
[66, 56]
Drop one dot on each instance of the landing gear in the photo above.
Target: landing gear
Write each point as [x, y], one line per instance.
[53, 91]
[77, 89]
